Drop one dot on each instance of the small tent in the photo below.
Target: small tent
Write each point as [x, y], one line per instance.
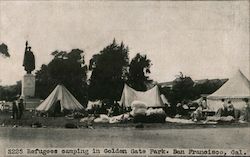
[66, 99]
[150, 97]
[236, 89]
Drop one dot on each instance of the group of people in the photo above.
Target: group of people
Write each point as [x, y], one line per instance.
[227, 111]
[17, 109]
[113, 110]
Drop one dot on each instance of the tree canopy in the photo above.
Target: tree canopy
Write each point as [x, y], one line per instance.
[67, 68]
[182, 89]
[109, 70]
[10, 93]
[138, 68]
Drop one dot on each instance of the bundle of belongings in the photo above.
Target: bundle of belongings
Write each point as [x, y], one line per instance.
[142, 114]
[123, 118]
[88, 119]
[105, 119]
[102, 119]
[139, 113]
[75, 115]
[155, 115]
[179, 120]
[138, 108]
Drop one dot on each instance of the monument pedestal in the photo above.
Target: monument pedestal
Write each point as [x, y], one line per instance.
[28, 92]
[28, 85]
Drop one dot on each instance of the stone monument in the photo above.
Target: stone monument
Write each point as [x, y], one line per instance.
[28, 82]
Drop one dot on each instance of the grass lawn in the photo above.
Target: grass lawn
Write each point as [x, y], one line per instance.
[29, 118]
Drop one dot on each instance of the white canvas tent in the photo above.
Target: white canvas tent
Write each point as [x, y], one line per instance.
[235, 89]
[151, 97]
[67, 100]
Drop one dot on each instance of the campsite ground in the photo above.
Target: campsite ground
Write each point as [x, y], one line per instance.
[120, 135]
[59, 122]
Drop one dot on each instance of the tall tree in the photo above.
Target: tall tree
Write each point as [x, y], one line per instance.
[68, 69]
[10, 92]
[138, 68]
[109, 70]
[182, 89]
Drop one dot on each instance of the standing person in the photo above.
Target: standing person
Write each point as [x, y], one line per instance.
[231, 111]
[20, 108]
[222, 112]
[204, 103]
[222, 108]
[14, 110]
[245, 113]
[224, 104]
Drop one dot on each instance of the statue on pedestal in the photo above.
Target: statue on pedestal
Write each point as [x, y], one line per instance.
[28, 81]
[29, 59]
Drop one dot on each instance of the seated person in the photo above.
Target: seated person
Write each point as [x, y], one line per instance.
[180, 111]
[244, 113]
[227, 110]
[115, 110]
[247, 117]
[197, 114]
[226, 113]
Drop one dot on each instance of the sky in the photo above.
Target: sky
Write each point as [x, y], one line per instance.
[202, 39]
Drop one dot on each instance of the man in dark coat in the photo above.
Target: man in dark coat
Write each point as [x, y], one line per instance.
[20, 108]
[14, 110]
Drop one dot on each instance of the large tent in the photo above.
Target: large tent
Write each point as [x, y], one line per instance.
[150, 97]
[235, 89]
[67, 100]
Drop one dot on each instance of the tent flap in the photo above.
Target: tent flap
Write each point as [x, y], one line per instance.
[151, 97]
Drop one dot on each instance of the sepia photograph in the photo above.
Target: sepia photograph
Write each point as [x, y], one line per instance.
[124, 78]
